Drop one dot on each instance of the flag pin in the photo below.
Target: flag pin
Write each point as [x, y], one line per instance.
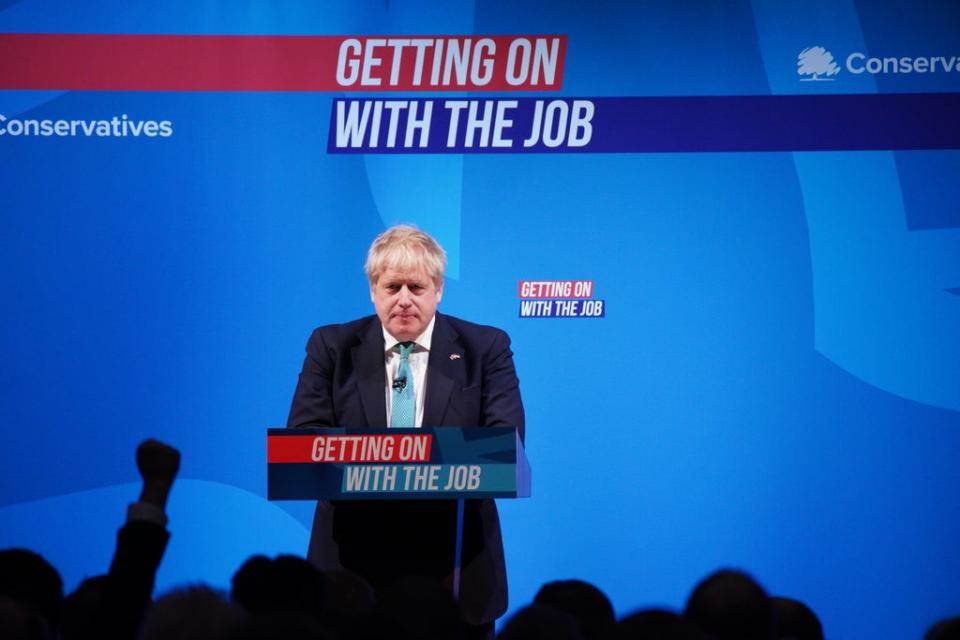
[454, 356]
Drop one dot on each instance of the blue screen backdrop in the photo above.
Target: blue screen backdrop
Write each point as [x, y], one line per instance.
[775, 384]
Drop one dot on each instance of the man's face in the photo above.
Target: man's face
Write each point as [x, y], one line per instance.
[406, 302]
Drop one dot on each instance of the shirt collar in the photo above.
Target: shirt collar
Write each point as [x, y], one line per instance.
[422, 341]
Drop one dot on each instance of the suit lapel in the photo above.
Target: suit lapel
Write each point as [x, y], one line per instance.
[371, 377]
[442, 371]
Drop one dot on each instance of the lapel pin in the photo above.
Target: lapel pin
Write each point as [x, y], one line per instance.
[454, 356]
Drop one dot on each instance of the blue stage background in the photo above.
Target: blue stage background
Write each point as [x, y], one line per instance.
[775, 384]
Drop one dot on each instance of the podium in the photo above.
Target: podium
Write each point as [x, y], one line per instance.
[442, 463]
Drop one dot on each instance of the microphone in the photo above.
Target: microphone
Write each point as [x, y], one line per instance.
[399, 384]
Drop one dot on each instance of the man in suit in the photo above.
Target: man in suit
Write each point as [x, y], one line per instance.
[409, 366]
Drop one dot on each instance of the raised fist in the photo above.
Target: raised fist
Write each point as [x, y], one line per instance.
[157, 462]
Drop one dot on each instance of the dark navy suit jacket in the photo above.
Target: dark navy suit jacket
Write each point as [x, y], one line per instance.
[342, 384]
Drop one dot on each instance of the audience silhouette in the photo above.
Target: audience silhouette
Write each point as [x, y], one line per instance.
[191, 613]
[589, 606]
[287, 583]
[287, 598]
[948, 629]
[540, 622]
[33, 591]
[731, 605]
[795, 620]
[656, 624]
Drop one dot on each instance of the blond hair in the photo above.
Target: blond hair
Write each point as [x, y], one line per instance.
[405, 248]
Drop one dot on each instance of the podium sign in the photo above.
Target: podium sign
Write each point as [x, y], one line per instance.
[429, 463]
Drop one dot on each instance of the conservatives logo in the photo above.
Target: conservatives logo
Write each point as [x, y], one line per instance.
[115, 127]
[816, 63]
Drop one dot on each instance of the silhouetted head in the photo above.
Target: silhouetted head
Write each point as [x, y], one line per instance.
[191, 613]
[795, 620]
[730, 605]
[589, 606]
[287, 583]
[656, 624]
[284, 625]
[28, 579]
[17, 623]
[948, 629]
[540, 622]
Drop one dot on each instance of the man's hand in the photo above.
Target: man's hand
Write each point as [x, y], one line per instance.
[158, 464]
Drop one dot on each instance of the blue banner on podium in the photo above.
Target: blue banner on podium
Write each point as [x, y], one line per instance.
[357, 464]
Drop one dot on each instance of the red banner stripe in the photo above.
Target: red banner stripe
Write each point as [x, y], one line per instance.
[290, 448]
[350, 448]
[230, 63]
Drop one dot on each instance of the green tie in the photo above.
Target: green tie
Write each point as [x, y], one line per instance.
[403, 413]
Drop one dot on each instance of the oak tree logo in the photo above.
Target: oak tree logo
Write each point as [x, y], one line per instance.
[815, 62]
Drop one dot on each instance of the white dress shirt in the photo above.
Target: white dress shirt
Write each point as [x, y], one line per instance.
[418, 367]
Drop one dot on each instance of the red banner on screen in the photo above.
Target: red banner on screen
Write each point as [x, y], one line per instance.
[101, 62]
